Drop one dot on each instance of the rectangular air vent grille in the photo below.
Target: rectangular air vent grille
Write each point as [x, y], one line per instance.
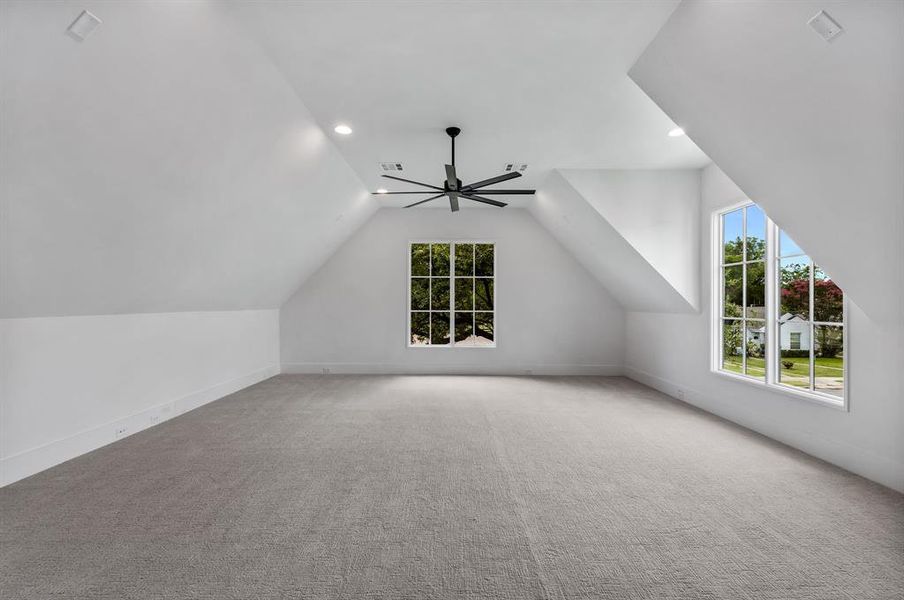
[83, 26]
[391, 166]
[519, 167]
[827, 27]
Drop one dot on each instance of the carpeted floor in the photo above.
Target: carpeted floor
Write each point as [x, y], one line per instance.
[449, 487]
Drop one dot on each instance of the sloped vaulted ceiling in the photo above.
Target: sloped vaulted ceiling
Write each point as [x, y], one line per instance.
[542, 83]
[812, 131]
[164, 164]
[170, 162]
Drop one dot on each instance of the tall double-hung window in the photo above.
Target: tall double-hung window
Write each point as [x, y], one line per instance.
[779, 319]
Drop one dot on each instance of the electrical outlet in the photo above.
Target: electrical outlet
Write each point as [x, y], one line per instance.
[326, 371]
[121, 431]
[680, 394]
[155, 419]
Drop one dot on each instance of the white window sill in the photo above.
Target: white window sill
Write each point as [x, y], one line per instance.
[451, 347]
[455, 347]
[807, 395]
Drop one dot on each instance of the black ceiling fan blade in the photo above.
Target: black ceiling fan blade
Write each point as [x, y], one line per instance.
[390, 193]
[432, 187]
[451, 178]
[453, 202]
[484, 200]
[492, 180]
[427, 200]
[491, 192]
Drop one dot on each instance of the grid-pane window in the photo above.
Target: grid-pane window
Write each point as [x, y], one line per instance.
[779, 317]
[452, 294]
[810, 319]
[743, 292]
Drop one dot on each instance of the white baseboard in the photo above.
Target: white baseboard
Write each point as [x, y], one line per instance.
[880, 469]
[23, 464]
[461, 369]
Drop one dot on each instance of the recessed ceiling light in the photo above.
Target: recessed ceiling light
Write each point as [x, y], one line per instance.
[342, 129]
[677, 132]
[382, 191]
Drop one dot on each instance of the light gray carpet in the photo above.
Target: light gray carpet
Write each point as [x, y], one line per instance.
[449, 487]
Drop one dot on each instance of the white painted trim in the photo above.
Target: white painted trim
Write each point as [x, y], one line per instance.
[880, 469]
[450, 369]
[785, 390]
[452, 279]
[28, 462]
[773, 352]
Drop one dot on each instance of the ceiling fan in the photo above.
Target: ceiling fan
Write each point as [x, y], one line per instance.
[453, 188]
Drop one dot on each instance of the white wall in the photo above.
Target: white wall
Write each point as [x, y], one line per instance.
[164, 164]
[586, 231]
[68, 383]
[552, 315]
[671, 352]
[657, 212]
[814, 131]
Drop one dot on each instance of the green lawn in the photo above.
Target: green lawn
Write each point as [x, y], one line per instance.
[798, 375]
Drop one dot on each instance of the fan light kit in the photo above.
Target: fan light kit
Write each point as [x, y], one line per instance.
[453, 189]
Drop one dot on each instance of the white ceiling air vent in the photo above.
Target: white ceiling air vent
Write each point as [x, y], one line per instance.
[391, 166]
[827, 28]
[83, 26]
[519, 167]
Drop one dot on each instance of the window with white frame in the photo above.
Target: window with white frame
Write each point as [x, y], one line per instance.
[451, 297]
[779, 318]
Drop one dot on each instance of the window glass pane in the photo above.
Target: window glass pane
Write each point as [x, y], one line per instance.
[420, 259]
[829, 359]
[787, 246]
[464, 293]
[809, 329]
[794, 365]
[732, 236]
[756, 233]
[440, 258]
[420, 329]
[483, 260]
[756, 348]
[420, 293]
[732, 346]
[794, 275]
[483, 293]
[439, 328]
[732, 290]
[439, 294]
[464, 328]
[464, 259]
[756, 290]
[483, 328]
[828, 299]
